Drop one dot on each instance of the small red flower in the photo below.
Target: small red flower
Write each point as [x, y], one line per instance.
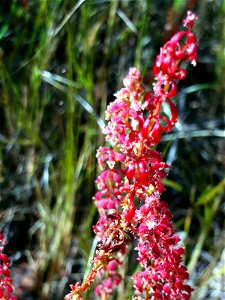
[6, 290]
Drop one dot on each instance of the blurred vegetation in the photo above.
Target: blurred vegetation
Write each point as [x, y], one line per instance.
[61, 61]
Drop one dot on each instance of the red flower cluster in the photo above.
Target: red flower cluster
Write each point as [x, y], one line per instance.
[105, 289]
[6, 289]
[159, 254]
[130, 184]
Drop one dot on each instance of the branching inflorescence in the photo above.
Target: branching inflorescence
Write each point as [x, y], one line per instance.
[130, 184]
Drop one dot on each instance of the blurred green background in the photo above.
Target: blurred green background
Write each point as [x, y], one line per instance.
[61, 61]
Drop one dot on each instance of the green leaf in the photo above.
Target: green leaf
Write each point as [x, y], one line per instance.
[210, 193]
[174, 185]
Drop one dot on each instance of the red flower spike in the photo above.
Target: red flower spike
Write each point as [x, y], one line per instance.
[132, 174]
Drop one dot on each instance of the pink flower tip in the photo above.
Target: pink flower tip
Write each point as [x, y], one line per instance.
[190, 19]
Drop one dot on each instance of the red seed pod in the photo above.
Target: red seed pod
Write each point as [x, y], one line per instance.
[174, 112]
[191, 49]
[156, 132]
[172, 90]
[148, 97]
[143, 172]
[130, 172]
[167, 64]
[129, 214]
[159, 165]
[5, 271]
[8, 288]
[156, 251]
[145, 129]
[160, 186]
[4, 258]
[168, 126]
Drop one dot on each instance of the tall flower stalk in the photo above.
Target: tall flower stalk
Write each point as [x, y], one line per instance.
[130, 184]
